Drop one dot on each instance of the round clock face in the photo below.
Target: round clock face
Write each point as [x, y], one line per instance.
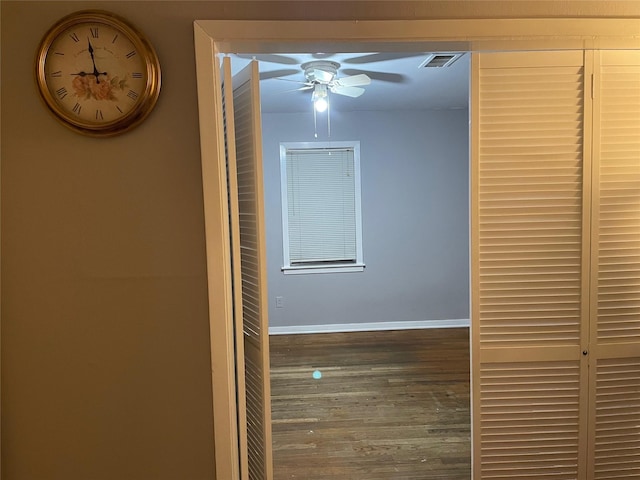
[97, 73]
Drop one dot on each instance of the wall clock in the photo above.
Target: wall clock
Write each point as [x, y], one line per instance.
[97, 73]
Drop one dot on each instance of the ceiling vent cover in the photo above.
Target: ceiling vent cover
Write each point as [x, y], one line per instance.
[437, 60]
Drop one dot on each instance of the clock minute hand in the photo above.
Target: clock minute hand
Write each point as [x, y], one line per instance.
[96, 73]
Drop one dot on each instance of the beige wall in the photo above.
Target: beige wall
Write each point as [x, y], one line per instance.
[105, 340]
[105, 349]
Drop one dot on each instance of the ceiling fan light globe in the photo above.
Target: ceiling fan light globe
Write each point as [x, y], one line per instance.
[320, 105]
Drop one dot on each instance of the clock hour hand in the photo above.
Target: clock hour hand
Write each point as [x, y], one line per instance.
[85, 74]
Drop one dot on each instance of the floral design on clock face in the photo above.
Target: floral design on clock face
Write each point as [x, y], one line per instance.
[90, 87]
[95, 73]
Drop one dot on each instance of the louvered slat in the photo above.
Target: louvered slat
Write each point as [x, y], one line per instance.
[530, 206]
[255, 417]
[615, 409]
[528, 290]
[247, 200]
[234, 230]
[529, 426]
[617, 429]
[248, 142]
[619, 219]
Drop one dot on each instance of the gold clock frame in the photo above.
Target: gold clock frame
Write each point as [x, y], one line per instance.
[147, 98]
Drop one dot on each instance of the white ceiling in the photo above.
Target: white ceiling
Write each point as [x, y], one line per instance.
[398, 82]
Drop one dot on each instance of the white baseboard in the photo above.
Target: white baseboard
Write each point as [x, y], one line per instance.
[368, 327]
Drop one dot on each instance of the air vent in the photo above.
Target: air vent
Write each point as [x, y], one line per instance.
[437, 60]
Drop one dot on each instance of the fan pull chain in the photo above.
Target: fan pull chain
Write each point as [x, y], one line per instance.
[315, 122]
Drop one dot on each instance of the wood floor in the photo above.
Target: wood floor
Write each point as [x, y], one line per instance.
[390, 405]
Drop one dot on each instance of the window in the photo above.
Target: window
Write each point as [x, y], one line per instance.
[321, 219]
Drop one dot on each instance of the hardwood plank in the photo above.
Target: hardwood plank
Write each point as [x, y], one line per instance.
[389, 405]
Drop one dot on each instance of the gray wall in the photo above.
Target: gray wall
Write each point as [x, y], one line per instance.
[415, 216]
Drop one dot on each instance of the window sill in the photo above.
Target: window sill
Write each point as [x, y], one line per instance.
[306, 269]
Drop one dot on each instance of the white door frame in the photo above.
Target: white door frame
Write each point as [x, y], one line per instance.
[239, 36]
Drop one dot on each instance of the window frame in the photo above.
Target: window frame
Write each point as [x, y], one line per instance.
[341, 267]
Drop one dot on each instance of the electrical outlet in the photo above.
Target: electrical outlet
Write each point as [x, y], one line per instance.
[279, 302]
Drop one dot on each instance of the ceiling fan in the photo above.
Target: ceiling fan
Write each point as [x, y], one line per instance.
[359, 60]
[322, 77]
[325, 73]
[322, 62]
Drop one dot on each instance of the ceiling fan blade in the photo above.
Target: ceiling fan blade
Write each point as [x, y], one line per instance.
[321, 55]
[269, 57]
[294, 81]
[380, 76]
[381, 57]
[347, 91]
[308, 87]
[353, 81]
[277, 73]
[321, 75]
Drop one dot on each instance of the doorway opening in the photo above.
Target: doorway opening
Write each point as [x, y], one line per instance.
[468, 34]
[413, 125]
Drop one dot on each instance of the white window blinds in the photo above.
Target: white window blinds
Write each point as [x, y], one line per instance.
[321, 206]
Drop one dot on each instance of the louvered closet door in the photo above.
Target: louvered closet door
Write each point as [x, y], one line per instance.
[529, 276]
[614, 438]
[249, 264]
[236, 271]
